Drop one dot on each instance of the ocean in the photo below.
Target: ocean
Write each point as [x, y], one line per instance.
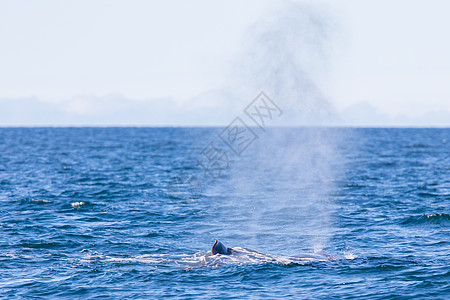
[114, 213]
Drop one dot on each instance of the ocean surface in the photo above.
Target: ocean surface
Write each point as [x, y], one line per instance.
[100, 213]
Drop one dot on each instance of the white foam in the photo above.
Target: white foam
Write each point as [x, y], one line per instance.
[77, 204]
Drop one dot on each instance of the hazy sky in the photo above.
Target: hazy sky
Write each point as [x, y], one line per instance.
[179, 62]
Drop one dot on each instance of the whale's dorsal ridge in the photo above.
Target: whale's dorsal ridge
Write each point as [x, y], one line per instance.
[219, 248]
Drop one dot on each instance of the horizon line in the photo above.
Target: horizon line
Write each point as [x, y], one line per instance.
[224, 126]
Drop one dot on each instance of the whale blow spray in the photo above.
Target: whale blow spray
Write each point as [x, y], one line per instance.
[282, 56]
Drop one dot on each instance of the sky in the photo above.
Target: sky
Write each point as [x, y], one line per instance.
[184, 63]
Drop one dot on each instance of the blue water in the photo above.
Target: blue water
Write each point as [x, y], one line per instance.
[130, 212]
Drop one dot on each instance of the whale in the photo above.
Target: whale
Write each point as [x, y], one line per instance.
[220, 249]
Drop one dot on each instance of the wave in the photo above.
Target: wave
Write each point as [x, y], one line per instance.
[427, 194]
[440, 219]
[419, 145]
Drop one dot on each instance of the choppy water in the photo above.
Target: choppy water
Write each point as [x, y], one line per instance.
[130, 212]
